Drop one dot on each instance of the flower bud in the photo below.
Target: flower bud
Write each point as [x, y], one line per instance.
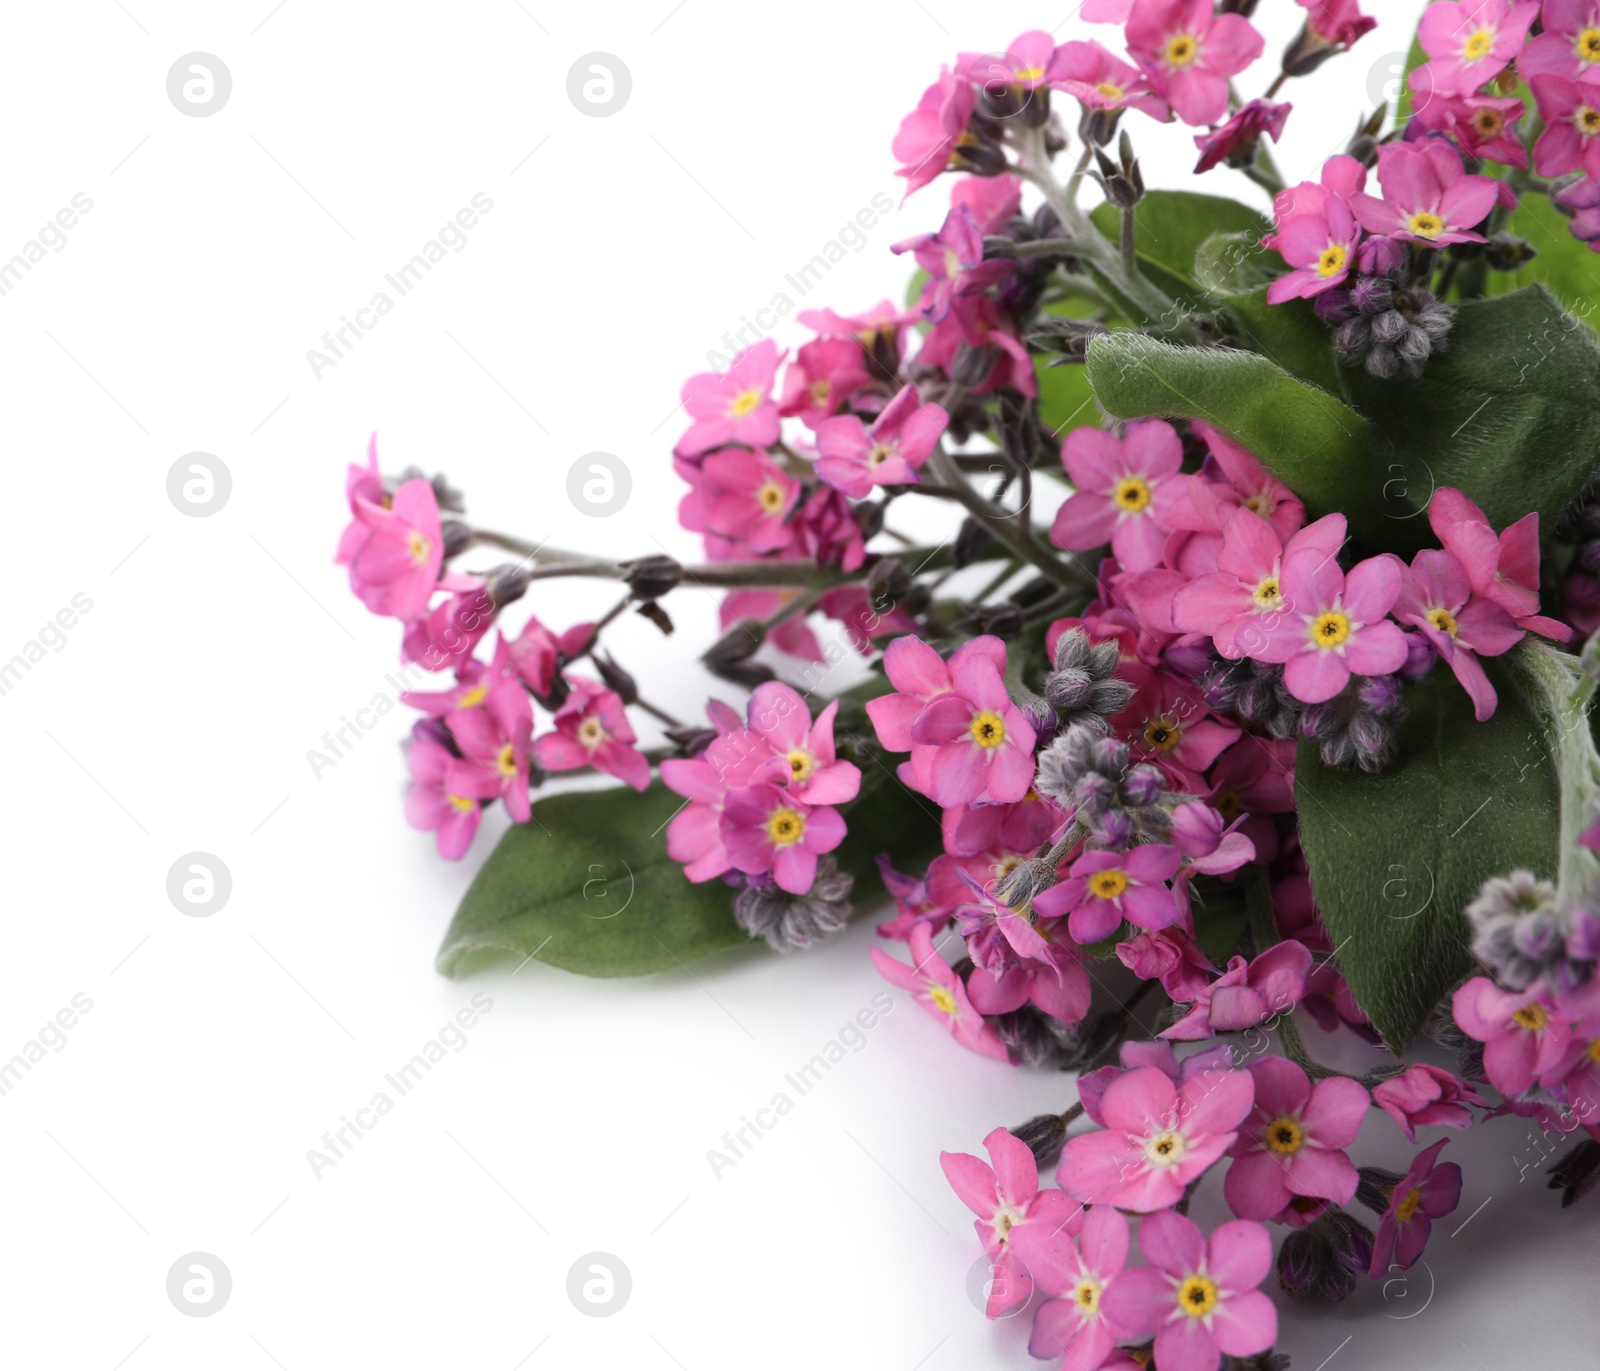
[1577, 1172]
[1045, 1135]
[456, 537]
[649, 578]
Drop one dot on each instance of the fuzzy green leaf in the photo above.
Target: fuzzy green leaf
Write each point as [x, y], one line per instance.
[1509, 414]
[1395, 858]
[1311, 441]
[1169, 228]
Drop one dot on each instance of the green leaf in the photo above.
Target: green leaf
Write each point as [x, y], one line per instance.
[1065, 398]
[1509, 414]
[1311, 441]
[1395, 858]
[588, 886]
[1233, 272]
[1566, 266]
[1170, 227]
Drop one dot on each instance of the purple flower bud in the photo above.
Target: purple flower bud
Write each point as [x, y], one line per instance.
[1583, 942]
[1420, 657]
[1380, 694]
[1113, 829]
[1379, 256]
[1143, 785]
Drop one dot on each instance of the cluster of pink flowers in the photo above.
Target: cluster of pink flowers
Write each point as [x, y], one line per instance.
[1162, 1125]
[1462, 114]
[762, 794]
[1224, 560]
[1179, 58]
[475, 742]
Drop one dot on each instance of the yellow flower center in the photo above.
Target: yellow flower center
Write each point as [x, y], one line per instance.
[1087, 1297]
[1285, 1136]
[879, 453]
[1426, 224]
[1132, 494]
[1588, 120]
[1268, 595]
[944, 999]
[1330, 628]
[507, 761]
[1531, 1017]
[771, 497]
[988, 729]
[1408, 1206]
[475, 696]
[1108, 884]
[821, 392]
[1197, 1296]
[786, 827]
[801, 765]
[1594, 1050]
[418, 546]
[1163, 733]
[1165, 1149]
[1443, 620]
[1110, 89]
[1228, 804]
[1025, 74]
[1479, 45]
[1333, 260]
[744, 402]
[461, 804]
[1588, 45]
[1182, 50]
[591, 733]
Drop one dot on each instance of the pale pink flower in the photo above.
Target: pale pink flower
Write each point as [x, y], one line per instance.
[854, 458]
[1292, 1144]
[1470, 42]
[1330, 626]
[733, 406]
[1429, 1190]
[1198, 1296]
[1008, 1202]
[1428, 197]
[1247, 993]
[592, 729]
[1190, 51]
[1158, 1137]
[765, 828]
[396, 567]
[1123, 487]
[939, 990]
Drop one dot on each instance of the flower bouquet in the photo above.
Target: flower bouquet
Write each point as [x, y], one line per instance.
[1252, 668]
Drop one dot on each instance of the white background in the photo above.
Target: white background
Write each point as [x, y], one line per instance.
[179, 713]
